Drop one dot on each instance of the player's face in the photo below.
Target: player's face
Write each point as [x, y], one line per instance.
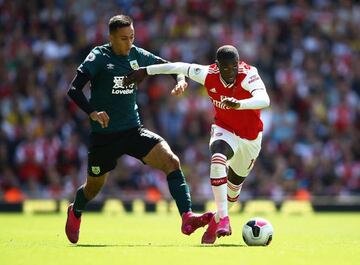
[228, 70]
[122, 40]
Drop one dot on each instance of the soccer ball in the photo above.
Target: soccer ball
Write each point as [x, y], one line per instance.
[257, 232]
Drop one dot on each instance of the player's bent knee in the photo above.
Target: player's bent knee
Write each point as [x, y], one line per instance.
[234, 178]
[237, 181]
[172, 163]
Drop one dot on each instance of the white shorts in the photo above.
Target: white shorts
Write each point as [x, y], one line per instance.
[245, 151]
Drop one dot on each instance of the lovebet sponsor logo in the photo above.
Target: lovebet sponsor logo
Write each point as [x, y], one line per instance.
[118, 87]
[122, 91]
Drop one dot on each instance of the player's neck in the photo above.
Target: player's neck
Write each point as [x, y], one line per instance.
[226, 84]
[116, 51]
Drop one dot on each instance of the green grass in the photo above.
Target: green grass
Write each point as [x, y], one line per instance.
[155, 239]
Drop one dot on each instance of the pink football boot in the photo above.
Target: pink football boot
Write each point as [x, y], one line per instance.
[209, 236]
[72, 227]
[223, 227]
[192, 221]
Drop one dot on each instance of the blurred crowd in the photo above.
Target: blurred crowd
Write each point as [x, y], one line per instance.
[307, 52]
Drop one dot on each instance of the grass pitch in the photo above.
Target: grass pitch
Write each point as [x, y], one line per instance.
[155, 239]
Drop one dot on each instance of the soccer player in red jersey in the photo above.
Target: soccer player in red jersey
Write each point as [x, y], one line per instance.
[237, 93]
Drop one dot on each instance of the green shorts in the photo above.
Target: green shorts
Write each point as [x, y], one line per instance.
[105, 149]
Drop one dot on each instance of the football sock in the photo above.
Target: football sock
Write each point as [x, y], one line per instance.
[80, 202]
[233, 193]
[179, 190]
[218, 178]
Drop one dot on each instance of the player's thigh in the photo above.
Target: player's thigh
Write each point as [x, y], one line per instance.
[220, 134]
[245, 156]
[162, 157]
[151, 149]
[104, 150]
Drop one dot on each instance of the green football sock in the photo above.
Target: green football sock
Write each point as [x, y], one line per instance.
[80, 202]
[179, 190]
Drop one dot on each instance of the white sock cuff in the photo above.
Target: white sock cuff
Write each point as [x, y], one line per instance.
[218, 158]
[233, 186]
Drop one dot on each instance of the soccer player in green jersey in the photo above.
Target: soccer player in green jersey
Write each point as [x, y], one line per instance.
[116, 128]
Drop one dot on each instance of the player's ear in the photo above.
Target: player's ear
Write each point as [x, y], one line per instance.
[217, 63]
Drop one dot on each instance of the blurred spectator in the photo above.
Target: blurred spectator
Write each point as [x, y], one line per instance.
[308, 53]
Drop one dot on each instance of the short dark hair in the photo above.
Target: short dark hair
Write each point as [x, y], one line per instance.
[227, 52]
[119, 21]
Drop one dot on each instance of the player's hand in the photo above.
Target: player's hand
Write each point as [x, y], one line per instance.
[232, 103]
[179, 88]
[100, 117]
[135, 76]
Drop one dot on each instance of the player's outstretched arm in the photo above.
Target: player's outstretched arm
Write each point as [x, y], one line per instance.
[195, 72]
[167, 69]
[139, 75]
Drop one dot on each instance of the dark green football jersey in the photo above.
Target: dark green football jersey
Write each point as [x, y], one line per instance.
[107, 71]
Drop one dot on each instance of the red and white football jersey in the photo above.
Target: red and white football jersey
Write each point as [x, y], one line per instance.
[244, 123]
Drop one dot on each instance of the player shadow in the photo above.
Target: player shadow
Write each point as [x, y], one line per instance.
[223, 245]
[149, 245]
[123, 245]
[94, 245]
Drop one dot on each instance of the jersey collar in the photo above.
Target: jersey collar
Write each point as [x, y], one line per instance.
[226, 84]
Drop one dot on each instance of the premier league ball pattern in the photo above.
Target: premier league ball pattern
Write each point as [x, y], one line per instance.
[257, 232]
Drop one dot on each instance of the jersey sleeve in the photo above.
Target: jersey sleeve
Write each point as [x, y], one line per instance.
[253, 81]
[198, 73]
[92, 63]
[195, 72]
